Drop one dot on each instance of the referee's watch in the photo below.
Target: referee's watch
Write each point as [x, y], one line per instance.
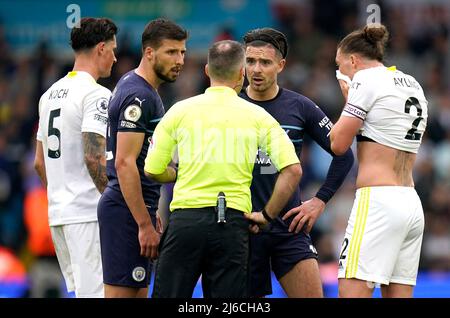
[266, 215]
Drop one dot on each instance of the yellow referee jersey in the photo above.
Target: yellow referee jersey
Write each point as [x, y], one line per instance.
[217, 135]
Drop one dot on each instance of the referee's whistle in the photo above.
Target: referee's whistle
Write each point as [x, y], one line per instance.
[221, 207]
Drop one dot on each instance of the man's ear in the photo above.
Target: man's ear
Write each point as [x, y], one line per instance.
[242, 72]
[281, 65]
[149, 52]
[206, 70]
[100, 48]
[353, 60]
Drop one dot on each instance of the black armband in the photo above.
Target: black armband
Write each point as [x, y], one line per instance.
[266, 216]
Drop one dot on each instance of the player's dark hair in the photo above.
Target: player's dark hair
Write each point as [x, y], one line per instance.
[369, 41]
[161, 29]
[91, 32]
[225, 58]
[264, 36]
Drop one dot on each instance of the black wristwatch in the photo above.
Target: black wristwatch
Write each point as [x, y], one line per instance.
[266, 216]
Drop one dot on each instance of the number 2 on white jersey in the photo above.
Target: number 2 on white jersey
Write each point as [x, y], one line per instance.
[412, 133]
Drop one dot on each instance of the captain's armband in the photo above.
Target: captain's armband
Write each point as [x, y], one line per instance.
[355, 111]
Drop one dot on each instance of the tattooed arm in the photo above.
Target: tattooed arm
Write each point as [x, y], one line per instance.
[94, 157]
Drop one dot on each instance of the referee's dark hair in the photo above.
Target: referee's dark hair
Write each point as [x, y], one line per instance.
[264, 36]
[161, 29]
[91, 32]
[225, 59]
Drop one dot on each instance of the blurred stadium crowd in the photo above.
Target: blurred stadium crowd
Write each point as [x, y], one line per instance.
[419, 45]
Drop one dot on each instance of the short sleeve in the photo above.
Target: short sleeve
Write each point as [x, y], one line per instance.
[361, 95]
[95, 111]
[136, 113]
[276, 143]
[163, 144]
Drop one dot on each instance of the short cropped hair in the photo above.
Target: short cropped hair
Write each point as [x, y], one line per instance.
[160, 29]
[91, 32]
[225, 59]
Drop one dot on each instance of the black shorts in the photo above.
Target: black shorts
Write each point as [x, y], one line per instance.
[121, 260]
[194, 244]
[279, 250]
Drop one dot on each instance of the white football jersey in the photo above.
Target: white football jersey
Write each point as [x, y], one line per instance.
[391, 104]
[74, 104]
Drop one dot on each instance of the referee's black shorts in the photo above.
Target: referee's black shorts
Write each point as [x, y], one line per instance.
[194, 244]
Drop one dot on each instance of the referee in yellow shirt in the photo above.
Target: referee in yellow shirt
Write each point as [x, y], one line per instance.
[217, 135]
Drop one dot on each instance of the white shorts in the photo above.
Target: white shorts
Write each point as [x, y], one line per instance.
[77, 248]
[384, 236]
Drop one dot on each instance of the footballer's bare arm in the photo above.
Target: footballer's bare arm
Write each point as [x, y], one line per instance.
[39, 163]
[94, 157]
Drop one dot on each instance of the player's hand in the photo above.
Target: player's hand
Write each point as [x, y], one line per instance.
[257, 219]
[159, 224]
[149, 241]
[307, 214]
[253, 228]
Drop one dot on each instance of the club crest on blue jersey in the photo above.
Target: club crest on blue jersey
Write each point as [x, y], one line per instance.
[133, 113]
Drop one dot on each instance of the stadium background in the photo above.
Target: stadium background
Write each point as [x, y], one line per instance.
[34, 52]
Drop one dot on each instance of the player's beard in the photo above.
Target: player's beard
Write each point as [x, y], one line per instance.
[159, 71]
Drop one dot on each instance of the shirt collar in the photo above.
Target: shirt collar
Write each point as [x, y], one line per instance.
[220, 89]
[83, 74]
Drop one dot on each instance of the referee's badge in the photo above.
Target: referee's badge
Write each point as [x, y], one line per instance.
[133, 113]
[138, 274]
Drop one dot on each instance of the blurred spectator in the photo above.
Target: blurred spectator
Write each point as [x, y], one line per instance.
[13, 280]
[11, 194]
[436, 244]
[45, 276]
[225, 33]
